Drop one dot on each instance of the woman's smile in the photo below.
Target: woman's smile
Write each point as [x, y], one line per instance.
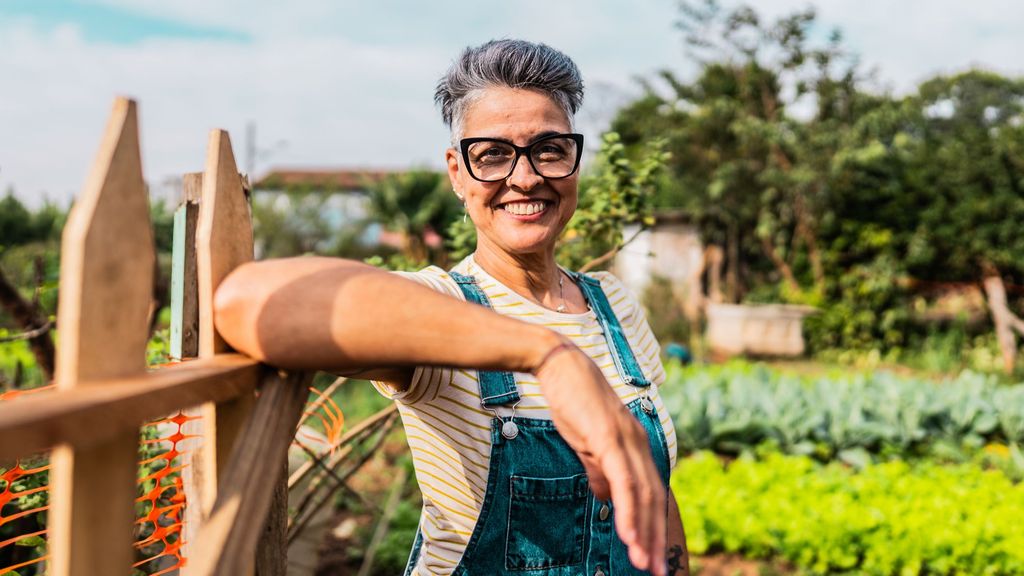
[526, 210]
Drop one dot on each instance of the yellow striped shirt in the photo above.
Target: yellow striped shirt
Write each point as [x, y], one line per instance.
[449, 432]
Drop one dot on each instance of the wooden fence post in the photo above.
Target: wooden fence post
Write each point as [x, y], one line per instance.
[107, 260]
[185, 345]
[228, 541]
[184, 283]
[223, 242]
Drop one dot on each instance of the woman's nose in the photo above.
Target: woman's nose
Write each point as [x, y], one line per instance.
[523, 176]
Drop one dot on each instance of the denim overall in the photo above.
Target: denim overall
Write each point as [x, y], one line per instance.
[539, 517]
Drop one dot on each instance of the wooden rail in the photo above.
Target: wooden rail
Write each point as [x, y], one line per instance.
[104, 392]
[86, 416]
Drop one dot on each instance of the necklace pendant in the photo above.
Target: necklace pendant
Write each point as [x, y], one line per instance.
[561, 308]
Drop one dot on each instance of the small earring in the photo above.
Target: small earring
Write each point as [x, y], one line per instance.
[465, 212]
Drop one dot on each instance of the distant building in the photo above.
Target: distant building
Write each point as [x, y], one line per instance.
[346, 191]
[671, 249]
[331, 181]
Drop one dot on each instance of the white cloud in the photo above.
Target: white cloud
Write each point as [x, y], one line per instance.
[350, 83]
[908, 41]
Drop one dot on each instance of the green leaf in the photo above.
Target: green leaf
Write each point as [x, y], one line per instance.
[31, 541]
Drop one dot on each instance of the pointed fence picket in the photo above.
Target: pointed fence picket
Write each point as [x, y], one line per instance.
[104, 392]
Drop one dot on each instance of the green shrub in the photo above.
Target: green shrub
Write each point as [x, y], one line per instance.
[887, 519]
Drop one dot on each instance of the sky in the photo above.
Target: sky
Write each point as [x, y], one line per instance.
[346, 83]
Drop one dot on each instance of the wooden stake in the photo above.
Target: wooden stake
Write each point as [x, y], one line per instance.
[184, 280]
[107, 260]
[227, 541]
[223, 242]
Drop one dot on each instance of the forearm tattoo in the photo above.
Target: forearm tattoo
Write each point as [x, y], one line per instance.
[678, 563]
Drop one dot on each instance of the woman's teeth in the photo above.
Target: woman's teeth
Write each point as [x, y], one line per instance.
[524, 208]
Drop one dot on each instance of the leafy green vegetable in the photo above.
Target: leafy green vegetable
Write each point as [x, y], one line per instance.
[733, 408]
[893, 518]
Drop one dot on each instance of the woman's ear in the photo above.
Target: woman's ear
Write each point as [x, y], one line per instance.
[451, 157]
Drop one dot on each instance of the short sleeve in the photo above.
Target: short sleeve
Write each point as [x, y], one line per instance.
[427, 381]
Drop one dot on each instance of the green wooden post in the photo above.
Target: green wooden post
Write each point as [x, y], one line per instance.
[185, 342]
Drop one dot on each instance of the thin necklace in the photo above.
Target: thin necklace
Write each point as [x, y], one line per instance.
[561, 293]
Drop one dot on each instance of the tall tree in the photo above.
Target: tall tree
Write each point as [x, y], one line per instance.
[750, 172]
[972, 159]
[415, 204]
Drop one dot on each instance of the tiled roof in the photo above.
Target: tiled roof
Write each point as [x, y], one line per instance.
[321, 180]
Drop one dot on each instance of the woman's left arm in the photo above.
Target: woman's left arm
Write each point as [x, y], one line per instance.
[677, 555]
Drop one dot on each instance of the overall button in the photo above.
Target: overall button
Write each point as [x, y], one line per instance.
[603, 513]
[509, 430]
[646, 405]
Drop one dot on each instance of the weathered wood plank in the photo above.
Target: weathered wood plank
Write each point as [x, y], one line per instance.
[224, 236]
[223, 242]
[185, 344]
[90, 415]
[227, 540]
[107, 262]
[272, 551]
[184, 281]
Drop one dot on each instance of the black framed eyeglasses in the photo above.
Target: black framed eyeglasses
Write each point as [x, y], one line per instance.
[492, 160]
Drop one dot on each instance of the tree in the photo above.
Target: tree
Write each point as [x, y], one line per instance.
[615, 193]
[972, 159]
[291, 223]
[752, 175]
[415, 204]
[28, 271]
[20, 226]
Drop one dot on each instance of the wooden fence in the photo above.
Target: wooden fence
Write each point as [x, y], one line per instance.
[104, 392]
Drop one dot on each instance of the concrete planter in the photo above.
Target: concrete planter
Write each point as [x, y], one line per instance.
[758, 330]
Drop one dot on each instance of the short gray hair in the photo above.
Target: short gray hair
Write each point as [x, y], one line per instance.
[509, 64]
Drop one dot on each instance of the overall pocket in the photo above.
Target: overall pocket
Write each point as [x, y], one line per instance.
[546, 522]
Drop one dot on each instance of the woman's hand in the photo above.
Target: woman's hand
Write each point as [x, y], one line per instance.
[613, 447]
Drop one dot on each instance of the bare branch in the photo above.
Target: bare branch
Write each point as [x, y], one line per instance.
[27, 335]
[29, 318]
[610, 254]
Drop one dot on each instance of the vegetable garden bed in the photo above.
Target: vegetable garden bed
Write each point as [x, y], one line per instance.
[887, 519]
[851, 473]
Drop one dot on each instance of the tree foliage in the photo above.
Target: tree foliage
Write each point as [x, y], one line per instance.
[823, 192]
[20, 226]
[615, 193]
[417, 205]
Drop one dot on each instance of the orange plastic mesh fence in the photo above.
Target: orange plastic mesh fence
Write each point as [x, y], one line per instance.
[160, 503]
[24, 500]
[326, 412]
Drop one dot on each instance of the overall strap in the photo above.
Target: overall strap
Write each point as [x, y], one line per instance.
[497, 388]
[625, 360]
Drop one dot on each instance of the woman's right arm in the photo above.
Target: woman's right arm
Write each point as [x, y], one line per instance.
[316, 313]
[340, 315]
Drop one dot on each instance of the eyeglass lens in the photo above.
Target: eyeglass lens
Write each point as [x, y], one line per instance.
[494, 160]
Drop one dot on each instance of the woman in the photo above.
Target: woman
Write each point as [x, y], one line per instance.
[534, 430]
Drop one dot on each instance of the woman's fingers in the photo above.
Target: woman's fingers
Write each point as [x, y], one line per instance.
[638, 494]
[615, 450]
